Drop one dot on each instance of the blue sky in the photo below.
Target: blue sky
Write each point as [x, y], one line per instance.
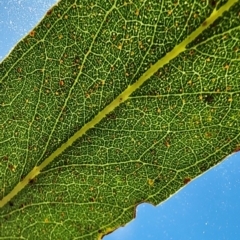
[208, 208]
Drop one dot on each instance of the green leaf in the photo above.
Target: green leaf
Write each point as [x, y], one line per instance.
[108, 104]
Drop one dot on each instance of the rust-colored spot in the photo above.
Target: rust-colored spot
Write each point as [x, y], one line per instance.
[237, 149]
[49, 12]
[61, 83]
[32, 33]
[186, 180]
[191, 52]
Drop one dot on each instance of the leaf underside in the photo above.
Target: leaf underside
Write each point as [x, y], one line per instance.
[114, 103]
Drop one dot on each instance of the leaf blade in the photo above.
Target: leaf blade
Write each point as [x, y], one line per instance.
[165, 137]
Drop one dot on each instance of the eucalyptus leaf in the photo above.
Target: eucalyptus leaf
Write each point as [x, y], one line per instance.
[108, 104]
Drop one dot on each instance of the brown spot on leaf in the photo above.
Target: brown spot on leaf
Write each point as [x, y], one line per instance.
[12, 167]
[204, 24]
[237, 148]
[49, 12]
[32, 181]
[191, 52]
[32, 33]
[209, 98]
[61, 83]
[213, 3]
[5, 158]
[186, 180]
[22, 206]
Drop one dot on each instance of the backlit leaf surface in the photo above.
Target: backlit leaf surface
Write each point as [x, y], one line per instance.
[108, 104]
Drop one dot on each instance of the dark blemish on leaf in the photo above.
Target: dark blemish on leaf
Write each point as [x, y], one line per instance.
[21, 206]
[11, 204]
[111, 116]
[49, 12]
[209, 98]
[61, 83]
[204, 24]
[5, 158]
[186, 180]
[191, 52]
[157, 180]
[32, 181]
[213, 3]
